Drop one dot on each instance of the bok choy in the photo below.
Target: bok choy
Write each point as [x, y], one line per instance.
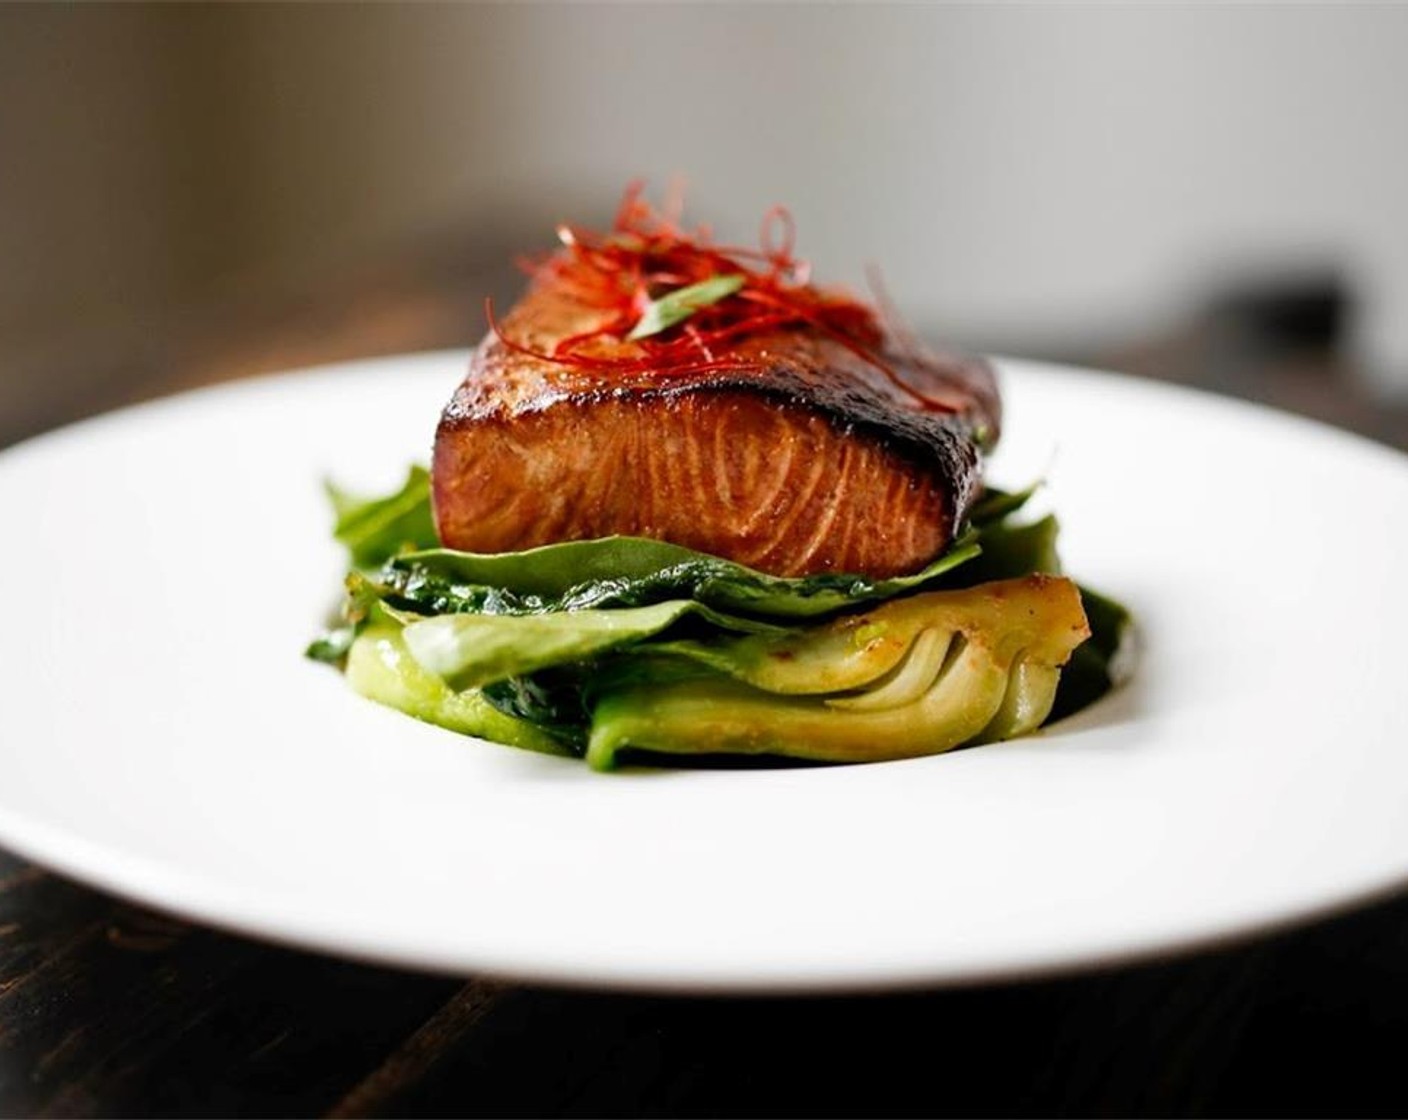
[626, 647]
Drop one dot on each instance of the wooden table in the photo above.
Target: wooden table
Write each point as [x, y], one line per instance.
[107, 1009]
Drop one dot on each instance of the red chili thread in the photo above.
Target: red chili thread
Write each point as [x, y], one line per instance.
[648, 253]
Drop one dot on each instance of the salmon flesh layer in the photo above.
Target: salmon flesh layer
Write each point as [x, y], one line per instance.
[802, 457]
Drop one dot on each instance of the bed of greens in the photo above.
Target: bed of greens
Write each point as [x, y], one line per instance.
[638, 647]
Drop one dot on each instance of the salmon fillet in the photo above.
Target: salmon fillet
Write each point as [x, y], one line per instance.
[803, 457]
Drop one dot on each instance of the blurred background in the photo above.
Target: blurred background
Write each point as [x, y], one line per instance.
[1205, 194]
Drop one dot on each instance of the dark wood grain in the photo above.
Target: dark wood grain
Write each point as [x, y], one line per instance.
[109, 1010]
[426, 1048]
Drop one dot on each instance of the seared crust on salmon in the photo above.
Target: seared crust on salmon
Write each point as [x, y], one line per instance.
[800, 457]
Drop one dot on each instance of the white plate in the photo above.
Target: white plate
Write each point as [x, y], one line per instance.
[162, 736]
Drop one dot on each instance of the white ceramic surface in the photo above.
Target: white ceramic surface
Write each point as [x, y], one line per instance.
[162, 736]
